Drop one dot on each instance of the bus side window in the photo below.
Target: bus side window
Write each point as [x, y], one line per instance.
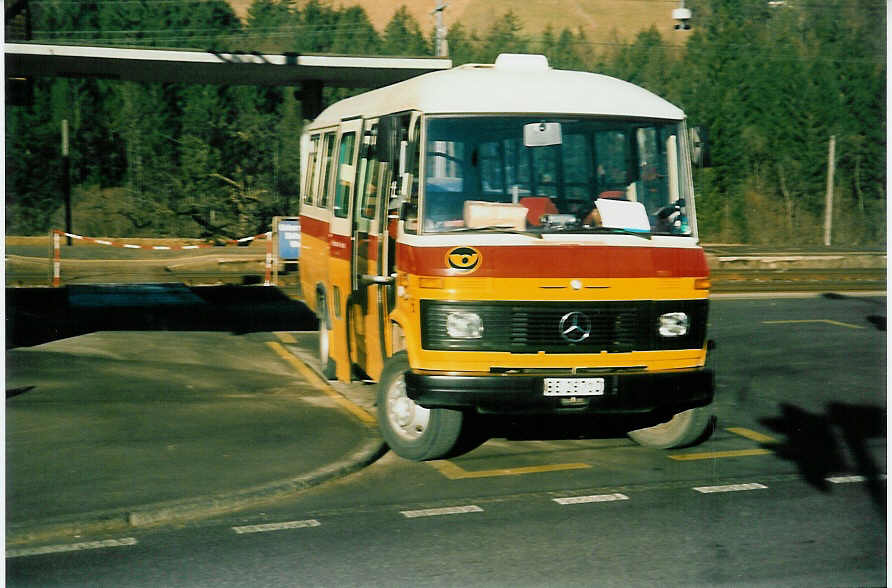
[613, 162]
[652, 190]
[413, 169]
[328, 150]
[346, 175]
[309, 186]
[370, 186]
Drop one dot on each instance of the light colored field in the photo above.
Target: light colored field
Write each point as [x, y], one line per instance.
[598, 18]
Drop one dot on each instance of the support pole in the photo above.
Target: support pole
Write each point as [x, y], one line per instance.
[269, 258]
[828, 202]
[441, 45]
[66, 178]
[56, 235]
[310, 96]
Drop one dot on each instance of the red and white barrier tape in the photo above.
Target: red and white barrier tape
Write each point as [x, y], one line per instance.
[57, 250]
[266, 235]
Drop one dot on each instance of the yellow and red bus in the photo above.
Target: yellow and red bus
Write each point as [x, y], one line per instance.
[508, 239]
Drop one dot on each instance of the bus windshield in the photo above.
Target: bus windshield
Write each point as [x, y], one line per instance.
[555, 174]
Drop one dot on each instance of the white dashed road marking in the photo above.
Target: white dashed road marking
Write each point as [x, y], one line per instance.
[730, 488]
[846, 479]
[276, 526]
[593, 498]
[26, 551]
[409, 514]
[433, 512]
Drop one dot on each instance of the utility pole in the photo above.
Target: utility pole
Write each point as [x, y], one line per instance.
[828, 202]
[441, 45]
[66, 178]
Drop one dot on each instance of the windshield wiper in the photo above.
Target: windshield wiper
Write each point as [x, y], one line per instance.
[620, 231]
[497, 229]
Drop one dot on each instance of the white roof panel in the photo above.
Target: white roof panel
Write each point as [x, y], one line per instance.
[510, 88]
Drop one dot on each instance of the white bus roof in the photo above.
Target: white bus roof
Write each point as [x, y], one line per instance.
[515, 84]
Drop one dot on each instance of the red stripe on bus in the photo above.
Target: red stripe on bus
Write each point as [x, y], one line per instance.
[340, 246]
[314, 227]
[564, 261]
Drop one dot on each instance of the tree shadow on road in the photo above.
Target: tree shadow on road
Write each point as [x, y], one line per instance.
[40, 315]
[822, 445]
[877, 320]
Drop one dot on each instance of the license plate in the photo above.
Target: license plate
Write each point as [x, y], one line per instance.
[574, 386]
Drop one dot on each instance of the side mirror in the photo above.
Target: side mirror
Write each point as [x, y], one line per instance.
[699, 138]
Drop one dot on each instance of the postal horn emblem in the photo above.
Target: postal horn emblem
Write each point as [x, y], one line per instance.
[465, 259]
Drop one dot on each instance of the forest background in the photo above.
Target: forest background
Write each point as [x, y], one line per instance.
[771, 82]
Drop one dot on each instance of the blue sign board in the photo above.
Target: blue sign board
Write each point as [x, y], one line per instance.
[289, 239]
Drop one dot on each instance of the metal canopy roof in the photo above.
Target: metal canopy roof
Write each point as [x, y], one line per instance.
[197, 67]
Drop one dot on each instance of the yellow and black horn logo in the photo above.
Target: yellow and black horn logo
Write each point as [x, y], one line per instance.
[464, 259]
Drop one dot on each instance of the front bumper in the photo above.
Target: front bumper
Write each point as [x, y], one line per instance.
[624, 393]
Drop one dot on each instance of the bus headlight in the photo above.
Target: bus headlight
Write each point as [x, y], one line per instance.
[674, 324]
[464, 325]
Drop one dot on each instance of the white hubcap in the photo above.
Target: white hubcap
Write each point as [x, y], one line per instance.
[407, 419]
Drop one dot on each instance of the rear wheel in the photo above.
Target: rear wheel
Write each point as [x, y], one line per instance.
[412, 431]
[686, 428]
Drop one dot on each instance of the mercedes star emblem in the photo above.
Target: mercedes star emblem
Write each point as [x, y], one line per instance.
[575, 327]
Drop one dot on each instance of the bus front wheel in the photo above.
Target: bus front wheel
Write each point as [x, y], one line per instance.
[685, 428]
[412, 431]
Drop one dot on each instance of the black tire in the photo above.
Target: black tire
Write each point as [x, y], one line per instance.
[326, 363]
[690, 427]
[412, 431]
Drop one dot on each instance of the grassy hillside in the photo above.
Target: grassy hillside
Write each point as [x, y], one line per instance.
[598, 18]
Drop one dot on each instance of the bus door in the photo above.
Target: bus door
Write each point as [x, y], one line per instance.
[340, 237]
[380, 190]
[369, 275]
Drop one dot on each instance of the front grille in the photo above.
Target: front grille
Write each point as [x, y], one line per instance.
[531, 327]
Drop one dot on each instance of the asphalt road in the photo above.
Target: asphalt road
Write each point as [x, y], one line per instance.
[790, 491]
[783, 535]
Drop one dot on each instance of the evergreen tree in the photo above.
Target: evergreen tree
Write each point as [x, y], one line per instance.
[316, 28]
[548, 44]
[504, 36]
[354, 34]
[403, 36]
[286, 159]
[462, 46]
[566, 52]
[646, 62]
[271, 24]
[771, 85]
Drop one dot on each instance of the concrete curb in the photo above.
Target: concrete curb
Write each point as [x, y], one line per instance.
[117, 520]
[194, 508]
